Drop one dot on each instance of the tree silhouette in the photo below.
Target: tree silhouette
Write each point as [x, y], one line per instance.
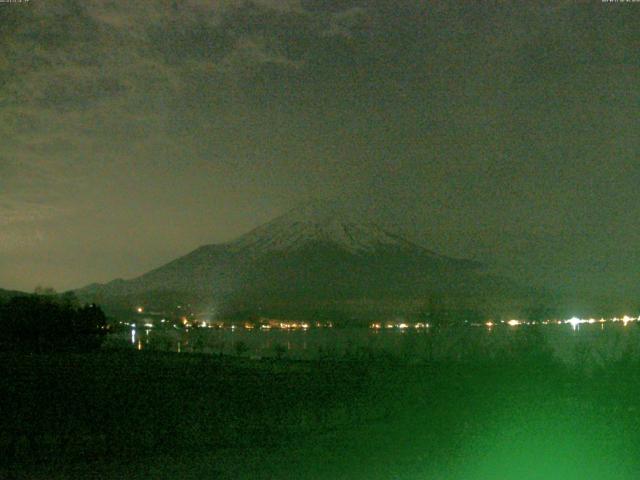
[48, 322]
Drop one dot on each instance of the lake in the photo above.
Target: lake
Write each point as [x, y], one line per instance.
[599, 342]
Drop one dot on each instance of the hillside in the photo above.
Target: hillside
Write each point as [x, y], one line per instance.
[309, 261]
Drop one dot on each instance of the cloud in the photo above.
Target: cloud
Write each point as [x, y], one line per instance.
[24, 212]
[146, 114]
[12, 241]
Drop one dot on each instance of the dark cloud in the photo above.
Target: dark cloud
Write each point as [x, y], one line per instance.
[135, 131]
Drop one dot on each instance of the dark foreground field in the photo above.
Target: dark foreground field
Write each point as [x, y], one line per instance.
[147, 415]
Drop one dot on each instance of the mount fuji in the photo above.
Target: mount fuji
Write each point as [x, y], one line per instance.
[313, 259]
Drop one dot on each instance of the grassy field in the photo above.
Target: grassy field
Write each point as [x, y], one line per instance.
[148, 415]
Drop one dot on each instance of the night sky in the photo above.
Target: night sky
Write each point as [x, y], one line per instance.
[134, 131]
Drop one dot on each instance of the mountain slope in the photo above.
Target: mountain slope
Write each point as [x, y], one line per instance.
[305, 260]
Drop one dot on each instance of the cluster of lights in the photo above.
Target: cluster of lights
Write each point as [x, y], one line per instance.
[626, 319]
[294, 326]
[574, 322]
[263, 326]
[399, 326]
[186, 322]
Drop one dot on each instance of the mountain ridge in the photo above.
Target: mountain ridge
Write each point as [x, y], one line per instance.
[302, 260]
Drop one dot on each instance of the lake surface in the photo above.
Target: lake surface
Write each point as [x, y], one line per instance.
[587, 343]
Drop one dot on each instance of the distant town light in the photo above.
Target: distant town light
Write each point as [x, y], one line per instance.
[139, 309]
[513, 323]
[574, 321]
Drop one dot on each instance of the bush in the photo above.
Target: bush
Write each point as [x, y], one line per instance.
[47, 322]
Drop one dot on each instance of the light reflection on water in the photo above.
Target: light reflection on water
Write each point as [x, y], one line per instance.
[586, 342]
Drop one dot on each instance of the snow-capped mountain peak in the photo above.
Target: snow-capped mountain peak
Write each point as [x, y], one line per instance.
[326, 223]
[299, 262]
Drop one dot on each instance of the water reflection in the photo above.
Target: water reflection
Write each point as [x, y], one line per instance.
[602, 339]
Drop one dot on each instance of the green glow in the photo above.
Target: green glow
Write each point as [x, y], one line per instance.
[564, 443]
